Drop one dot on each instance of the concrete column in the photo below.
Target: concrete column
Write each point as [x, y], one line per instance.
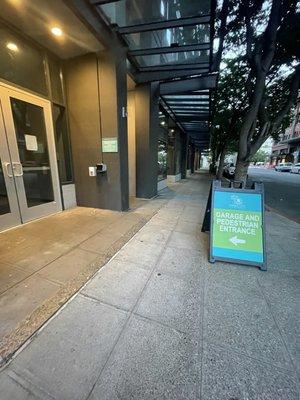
[146, 128]
[176, 153]
[171, 149]
[131, 142]
[171, 158]
[192, 158]
[184, 145]
[196, 160]
[96, 93]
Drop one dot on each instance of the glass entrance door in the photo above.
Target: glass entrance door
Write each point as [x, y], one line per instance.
[31, 167]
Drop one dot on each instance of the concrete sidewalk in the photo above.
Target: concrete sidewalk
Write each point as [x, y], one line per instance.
[43, 263]
[159, 322]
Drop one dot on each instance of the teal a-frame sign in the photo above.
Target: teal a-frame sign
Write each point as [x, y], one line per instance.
[237, 225]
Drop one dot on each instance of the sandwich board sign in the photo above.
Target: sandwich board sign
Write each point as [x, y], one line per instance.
[237, 225]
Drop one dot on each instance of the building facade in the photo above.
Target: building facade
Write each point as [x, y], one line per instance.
[97, 103]
[287, 149]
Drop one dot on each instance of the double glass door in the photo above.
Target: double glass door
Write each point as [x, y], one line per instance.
[29, 185]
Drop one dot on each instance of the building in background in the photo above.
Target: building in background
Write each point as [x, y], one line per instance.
[287, 149]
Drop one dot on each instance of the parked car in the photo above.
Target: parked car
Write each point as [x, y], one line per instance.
[229, 170]
[295, 169]
[284, 167]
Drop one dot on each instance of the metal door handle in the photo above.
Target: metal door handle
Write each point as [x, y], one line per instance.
[6, 165]
[17, 171]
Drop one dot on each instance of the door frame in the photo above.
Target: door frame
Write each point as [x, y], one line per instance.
[29, 213]
[13, 217]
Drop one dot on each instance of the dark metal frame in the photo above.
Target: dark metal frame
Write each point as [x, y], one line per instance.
[101, 2]
[144, 77]
[169, 49]
[171, 23]
[183, 67]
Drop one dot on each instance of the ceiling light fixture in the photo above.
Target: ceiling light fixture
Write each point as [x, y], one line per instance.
[56, 31]
[12, 46]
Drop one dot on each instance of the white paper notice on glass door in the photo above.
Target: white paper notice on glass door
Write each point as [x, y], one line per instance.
[31, 143]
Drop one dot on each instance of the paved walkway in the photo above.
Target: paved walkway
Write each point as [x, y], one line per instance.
[43, 263]
[159, 322]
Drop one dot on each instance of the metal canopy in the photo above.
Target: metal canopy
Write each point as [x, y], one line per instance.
[183, 86]
[193, 112]
[169, 41]
[162, 33]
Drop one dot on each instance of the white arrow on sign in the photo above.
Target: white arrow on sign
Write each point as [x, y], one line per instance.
[235, 240]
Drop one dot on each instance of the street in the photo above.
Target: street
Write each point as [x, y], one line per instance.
[282, 190]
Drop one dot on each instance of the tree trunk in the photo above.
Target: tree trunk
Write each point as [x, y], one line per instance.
[212, 165]
[241, 170]
[221, 164]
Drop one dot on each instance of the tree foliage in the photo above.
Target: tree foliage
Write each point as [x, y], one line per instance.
[228, 112]
[260, 156]
[260, 43]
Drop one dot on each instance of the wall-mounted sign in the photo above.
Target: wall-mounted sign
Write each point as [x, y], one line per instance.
[31, 142]
[237, 225]
[109, 145]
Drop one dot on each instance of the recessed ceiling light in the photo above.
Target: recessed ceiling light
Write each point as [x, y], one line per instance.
[12, 46]
[56, 31]
[16, 3]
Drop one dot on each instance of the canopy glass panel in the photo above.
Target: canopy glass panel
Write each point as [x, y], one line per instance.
[183, 35]
[135, 12]
[186, 57]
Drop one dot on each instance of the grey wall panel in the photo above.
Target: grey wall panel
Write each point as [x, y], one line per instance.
[92, 98]
[82, 100]
[113, 96]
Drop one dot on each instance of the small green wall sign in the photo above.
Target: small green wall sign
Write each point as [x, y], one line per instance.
[109, 145]
[237, 225]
